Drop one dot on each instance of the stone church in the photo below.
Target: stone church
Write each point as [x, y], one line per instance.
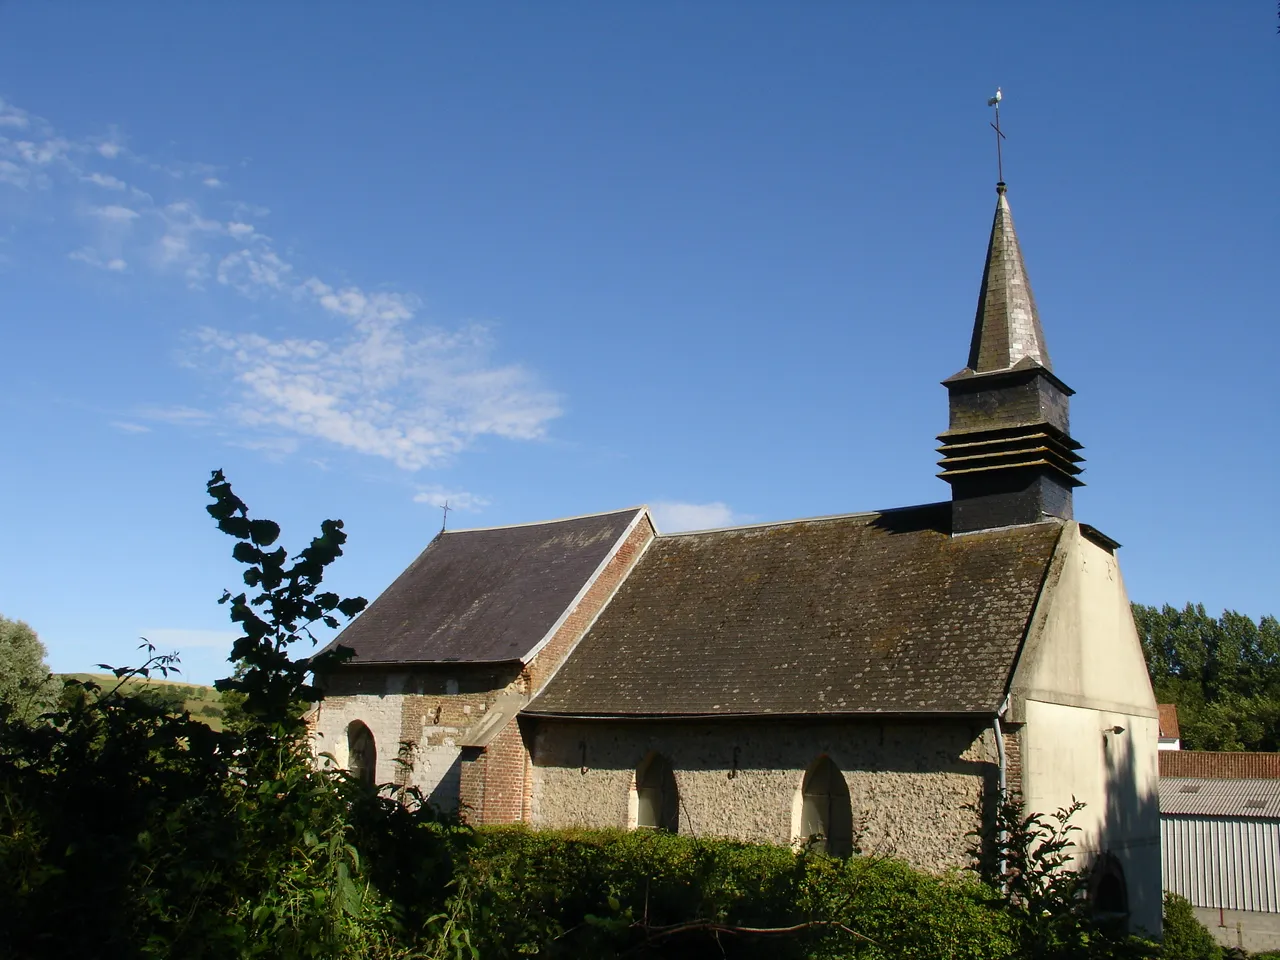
[869, 682]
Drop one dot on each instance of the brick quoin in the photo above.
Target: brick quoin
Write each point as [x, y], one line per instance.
[496, 782]
[1013, 760]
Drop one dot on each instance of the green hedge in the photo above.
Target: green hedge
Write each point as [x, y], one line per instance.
[580, 893]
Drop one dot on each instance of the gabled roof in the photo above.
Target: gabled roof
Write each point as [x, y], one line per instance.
[484, 596]
[1168, 721]
[1220, 764]
[872, 613]
[1193, 797]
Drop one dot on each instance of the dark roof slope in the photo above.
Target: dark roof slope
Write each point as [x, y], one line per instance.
[482, 596]
[1219, 764]
[876, 613]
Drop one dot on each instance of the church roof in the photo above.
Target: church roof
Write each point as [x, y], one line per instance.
[1007, 327]
[484, 596]
[870, 613]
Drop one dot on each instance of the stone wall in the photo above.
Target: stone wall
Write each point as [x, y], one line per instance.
[911, 785]
[418, 715]
[423, 714]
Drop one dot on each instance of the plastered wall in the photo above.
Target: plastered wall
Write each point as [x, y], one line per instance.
[911, 785]
[1090, 725]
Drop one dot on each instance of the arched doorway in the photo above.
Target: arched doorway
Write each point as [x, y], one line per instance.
[826, 817]
[658, 801]
[362, 753]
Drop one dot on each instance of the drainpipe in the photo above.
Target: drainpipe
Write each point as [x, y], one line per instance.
[1003, 837]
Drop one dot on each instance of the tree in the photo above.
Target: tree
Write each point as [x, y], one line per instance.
[1223, 673]
[25, 683]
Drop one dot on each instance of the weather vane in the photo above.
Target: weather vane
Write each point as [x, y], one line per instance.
[444, 520]
[995, 102]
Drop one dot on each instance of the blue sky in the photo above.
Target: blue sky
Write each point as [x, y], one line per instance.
[550, 259]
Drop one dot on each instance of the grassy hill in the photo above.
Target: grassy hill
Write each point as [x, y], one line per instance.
[203, 703]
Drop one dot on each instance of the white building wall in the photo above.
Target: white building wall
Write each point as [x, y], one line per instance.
[1091, 727]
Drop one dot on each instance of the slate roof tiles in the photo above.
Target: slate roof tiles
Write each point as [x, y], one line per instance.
[482, 596]
[872, 613]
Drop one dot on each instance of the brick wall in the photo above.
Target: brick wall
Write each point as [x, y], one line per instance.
[496, 786]
[1013, 759]
[422, 714]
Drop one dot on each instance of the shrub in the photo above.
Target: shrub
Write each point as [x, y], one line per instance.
[1185, 937]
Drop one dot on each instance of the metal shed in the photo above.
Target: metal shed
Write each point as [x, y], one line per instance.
[1221, 842]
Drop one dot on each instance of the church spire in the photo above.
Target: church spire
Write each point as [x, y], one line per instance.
[1008, 453]
[1007, 327]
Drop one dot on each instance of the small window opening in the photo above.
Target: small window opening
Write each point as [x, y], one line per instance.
[1110, 892]
[658, 806]
[826, 818]
[362, 753]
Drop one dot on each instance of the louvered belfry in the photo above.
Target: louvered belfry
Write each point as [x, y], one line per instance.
[1008, 452]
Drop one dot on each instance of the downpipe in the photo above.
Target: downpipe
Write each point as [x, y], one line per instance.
[1002, 838]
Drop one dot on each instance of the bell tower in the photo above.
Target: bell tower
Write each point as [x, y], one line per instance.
[1007, 452]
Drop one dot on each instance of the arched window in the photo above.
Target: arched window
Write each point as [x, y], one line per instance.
[826, 815]
[658, 802]
[1109, 892]
[362, 753]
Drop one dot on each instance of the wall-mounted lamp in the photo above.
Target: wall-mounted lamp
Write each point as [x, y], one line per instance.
[1117, 729]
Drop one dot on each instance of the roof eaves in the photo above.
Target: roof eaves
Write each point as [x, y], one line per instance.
[533, 712]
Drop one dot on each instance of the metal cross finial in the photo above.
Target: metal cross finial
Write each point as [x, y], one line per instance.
[444, 521]
[995, 102]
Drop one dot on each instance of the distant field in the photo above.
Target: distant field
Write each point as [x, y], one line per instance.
[203, 703]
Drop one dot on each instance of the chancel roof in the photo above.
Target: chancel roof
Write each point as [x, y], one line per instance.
[483, 596]
[873, 613]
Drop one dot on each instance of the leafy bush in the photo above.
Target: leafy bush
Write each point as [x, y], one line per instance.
[1185, 937]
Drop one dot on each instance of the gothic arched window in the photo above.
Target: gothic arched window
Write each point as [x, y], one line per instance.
[658, 802]
[1109, 892]
[362, 753]
[826, 815]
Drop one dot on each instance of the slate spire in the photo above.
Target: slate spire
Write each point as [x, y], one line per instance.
[1008, 453]
[1007, 326]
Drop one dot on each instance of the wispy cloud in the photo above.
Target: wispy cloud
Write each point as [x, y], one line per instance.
[438, 496]
[673, 517]
[387, 385]
[93, 258]
[105, 180]
[126, 426]
[179, 415]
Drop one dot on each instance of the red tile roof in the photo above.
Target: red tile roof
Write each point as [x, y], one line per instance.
[1168, 720]
[1220, 764]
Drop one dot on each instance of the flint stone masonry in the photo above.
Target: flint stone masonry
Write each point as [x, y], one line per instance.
[914, 786]
[424, 715]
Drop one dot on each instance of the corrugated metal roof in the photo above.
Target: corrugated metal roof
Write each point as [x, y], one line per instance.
[1228, 764]
[1202, 797]
[478, 596]
[884, 613]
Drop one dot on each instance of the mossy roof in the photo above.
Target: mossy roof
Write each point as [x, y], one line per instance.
[882, 613]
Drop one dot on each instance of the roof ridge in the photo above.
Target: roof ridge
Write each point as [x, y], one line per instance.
[797, 520]
[543, 523]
